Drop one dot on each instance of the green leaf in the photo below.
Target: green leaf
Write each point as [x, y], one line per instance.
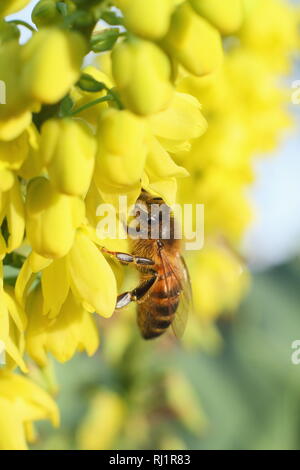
[112, 18]
[88, 83]
[62, 8]
[105, 40]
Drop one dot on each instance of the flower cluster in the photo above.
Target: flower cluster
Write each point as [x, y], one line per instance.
[176, 88]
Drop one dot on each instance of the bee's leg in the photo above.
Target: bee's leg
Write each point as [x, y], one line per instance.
[126, 258]
[136, 294]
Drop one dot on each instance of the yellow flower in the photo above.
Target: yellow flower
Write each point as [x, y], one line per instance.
[219, 280]
[12, 208]
[14, 152]
[227, 16]
[6, 180]
[51, 218]
[184, 402]
[70, 331]
[121, 154]
[103, 422]
[12, 326]
[12, 127]
[46, 74]
[179, 123]
[92, 279]
[8, 7]
[271, 29]
[142, 73]
[149, 19]
[21, 403]
[33, 164]
[161, 172]
[84, 271]
[194, 42]
[68, 147]
[14, 115]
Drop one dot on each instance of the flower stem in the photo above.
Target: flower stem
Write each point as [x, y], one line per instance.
[23, 23]
[92, 103]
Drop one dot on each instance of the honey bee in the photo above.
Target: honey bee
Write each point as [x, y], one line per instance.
[164, 293]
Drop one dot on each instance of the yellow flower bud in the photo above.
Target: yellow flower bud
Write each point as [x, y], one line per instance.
[45, 13]
[121, 152]
[194, 42]
[148, 19]
[51, 64]
[69, 147]
[142, 73]
[11, 6]
[50, 219]
[10, 71]
[227, 16]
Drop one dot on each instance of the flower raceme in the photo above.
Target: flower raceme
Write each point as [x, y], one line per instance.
[164, 107]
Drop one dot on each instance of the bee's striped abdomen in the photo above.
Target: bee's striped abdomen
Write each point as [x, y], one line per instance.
[157, 312]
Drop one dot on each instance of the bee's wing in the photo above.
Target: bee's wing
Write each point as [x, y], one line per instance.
[185, 302]
[185, 297]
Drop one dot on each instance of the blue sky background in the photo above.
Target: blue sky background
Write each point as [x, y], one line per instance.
[275, 234]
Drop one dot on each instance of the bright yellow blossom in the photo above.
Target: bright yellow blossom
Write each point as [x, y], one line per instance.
[73, 329]
[12, 326]
[142, 73]
[12, 209]
[227, 15]
[147, 19]
[121, 154]
[174, 110]
[103, 422]
[52, 218]
[179, 123]
[194, 42]
[21, 403]
[96, 285]
[69, 147]
[8, 7]
[46, 74]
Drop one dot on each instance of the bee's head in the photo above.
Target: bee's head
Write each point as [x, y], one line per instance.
[153, 218]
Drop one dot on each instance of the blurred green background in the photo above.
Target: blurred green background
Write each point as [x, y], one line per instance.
[244, 397]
